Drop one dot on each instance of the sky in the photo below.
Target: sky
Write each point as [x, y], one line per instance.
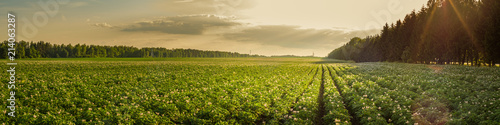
[264, 27]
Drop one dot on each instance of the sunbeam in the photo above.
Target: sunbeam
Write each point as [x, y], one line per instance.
[464, 24]
[427, 26]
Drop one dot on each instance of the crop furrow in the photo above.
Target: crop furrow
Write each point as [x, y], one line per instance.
[297, 99]
[354, 120]
[294, 106]
[321, 104]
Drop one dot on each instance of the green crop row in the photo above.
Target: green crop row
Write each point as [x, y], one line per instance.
[250, 91]
[359, 98]
[159, 92]
[453, 95]
[334, 104]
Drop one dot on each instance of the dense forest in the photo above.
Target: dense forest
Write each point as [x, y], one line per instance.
[46, 50]
[465, 32]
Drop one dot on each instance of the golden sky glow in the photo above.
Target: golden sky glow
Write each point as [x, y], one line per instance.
[266, 27]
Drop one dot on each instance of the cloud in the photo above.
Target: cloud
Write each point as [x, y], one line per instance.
[295, 37]
[218, 7]
[190, 24]
[102, 25]
[183, 1]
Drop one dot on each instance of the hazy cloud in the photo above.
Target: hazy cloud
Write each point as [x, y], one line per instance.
[183, 1]
[102, 25]
[295, 37]
[219, 7]
[190, 24]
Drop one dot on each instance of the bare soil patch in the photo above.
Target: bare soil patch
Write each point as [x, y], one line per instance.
[437, 69]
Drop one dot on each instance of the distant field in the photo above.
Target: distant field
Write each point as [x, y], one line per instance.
[200, 60]
[249, 91]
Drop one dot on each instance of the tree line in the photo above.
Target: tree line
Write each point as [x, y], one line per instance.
[43, 49]
[465, 32]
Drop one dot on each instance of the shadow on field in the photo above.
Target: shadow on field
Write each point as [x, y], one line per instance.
[325, 61]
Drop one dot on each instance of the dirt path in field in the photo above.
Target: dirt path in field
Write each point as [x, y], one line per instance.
[437, 69]
[321, 104]
[429, 111]
[354, 119]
